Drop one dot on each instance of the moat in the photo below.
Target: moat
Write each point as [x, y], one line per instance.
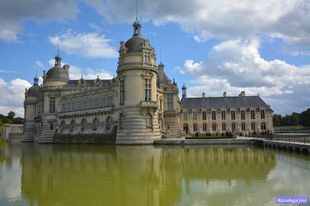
[32, 174]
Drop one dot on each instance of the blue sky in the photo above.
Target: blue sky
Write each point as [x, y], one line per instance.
[211, 46]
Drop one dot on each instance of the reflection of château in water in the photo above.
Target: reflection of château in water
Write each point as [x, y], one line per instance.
[131, 175]
[227, 163]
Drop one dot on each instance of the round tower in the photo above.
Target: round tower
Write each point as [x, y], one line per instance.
[31, 97]
[137, 76]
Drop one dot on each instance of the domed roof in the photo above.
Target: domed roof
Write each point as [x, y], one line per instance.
[134, 44]
[57, 73]
[34, 91]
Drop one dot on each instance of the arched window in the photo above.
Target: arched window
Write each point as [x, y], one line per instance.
[72, 125]
[149, 120]
[95, 124]
[62, 126]
[83, 124]
[108, 123]
[121, 119]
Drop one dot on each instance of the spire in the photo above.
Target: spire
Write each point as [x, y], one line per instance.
[58, 57]
[136, 24]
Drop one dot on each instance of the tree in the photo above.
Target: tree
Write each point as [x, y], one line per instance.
[305, 118]
[11, 115]
[294, 119]
[276, 120]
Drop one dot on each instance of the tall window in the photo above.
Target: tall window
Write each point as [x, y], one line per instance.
[110, 101]
[233, 115]
[204, 115]
[263, 126]
[194, 115]
[195, 127]
[214, 127]
[253, 126]
[223, 114]
[213, 115]
[95, 123]
[122, 91]
[204, 127]
[170, 102]
[72, 125]
[243, 126]
[83, 124]
[223, 127]
[108, 124]
[147, 57]
[149, 121]
[62, 126]
[185, 116]
[233, 127]
[147, 89]
[252, 114]
[242, 114]
[262, 114]
[52, 104]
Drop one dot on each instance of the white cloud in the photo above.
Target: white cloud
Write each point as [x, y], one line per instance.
[14, 12]
[295, 52]
[13, 92]
[89, 73]
[286, 19]
[38, 64]
[237, 65]
[89, 45]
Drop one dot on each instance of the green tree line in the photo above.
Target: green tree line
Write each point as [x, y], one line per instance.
[294, 119]
[10, 119]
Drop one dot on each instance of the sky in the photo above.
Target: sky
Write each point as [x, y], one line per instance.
[211, 46]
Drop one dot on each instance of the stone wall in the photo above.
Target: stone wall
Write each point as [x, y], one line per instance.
[85, 138]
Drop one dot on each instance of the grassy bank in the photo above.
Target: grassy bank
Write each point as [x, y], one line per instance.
[296, 127]
[211, 137]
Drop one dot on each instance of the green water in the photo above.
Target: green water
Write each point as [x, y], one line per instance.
[146, 175]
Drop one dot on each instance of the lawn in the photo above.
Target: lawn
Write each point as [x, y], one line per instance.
[296, 127]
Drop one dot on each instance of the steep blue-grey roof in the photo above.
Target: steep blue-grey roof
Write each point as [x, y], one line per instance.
[223, 102]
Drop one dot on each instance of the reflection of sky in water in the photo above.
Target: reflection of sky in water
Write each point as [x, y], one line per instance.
[290, 177]
[10, 183]
[156, 176]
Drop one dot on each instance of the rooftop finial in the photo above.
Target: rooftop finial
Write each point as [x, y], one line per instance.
[136, 27]
[36, 81]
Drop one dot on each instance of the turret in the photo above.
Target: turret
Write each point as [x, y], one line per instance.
[137, 75]
[183, 91]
